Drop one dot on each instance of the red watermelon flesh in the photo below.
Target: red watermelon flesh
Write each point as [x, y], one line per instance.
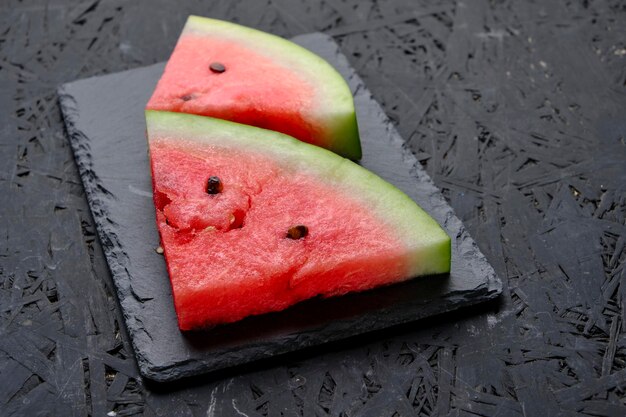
[189, 86]
[228, 254]
[267, 82]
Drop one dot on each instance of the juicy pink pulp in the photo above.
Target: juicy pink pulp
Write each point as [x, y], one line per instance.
[253, 89]
[227, 254]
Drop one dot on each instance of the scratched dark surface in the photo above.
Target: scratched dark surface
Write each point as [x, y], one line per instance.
[516, 109]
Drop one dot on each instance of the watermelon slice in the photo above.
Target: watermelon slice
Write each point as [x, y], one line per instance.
[232, 72]
[254, 221]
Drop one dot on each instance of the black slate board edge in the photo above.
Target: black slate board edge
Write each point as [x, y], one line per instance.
[382, 319]
[108, 241]
[190, 368]
[196, 362]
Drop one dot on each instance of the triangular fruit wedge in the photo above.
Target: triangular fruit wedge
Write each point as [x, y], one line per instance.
[232, 72]
[254, 221]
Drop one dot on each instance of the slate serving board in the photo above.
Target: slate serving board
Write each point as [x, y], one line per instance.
[105, 124]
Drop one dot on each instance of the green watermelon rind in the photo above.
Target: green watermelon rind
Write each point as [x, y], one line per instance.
[334, 112]
[428, 244]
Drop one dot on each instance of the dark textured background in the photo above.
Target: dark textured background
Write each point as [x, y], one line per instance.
[517, 110]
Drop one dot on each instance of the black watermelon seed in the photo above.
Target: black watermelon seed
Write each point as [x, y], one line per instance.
[297, 232]
[214, 185]
[186, 97]
[217, 67]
